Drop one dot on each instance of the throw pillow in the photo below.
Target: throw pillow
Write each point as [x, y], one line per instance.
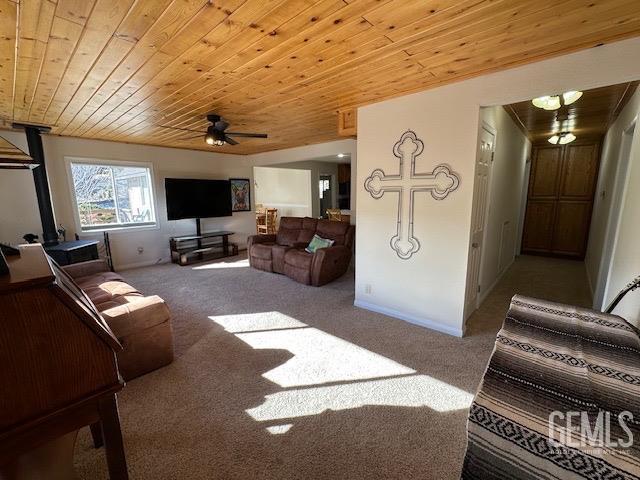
[318, 242]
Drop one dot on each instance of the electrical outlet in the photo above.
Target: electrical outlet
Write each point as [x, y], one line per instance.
[367, 289]
[140, 250]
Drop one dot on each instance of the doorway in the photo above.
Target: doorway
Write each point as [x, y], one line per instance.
[484, 158]
[326, 193]
[537, 195]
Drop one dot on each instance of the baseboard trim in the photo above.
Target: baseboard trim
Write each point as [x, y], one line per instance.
[486, 293]
[149, 263]
[420, 321]
[590, 283]
[146, 263]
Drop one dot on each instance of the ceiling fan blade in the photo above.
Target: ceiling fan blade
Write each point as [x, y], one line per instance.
[221, 125]
[249, 135]
[230, 141]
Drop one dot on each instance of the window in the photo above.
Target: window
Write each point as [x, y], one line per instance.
[112, 196]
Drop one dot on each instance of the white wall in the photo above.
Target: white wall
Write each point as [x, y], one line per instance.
[511, 152]
[316, 168]
[429, 288]
[625, 248]
[19, 213]
[294, 157]
[287, 189]
[18, 206]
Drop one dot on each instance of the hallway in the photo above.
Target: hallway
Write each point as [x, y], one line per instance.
[554, 279]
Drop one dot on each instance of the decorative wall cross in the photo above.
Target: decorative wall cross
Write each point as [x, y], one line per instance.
[440, 182]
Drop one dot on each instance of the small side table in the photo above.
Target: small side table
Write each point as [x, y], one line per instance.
[75, 251]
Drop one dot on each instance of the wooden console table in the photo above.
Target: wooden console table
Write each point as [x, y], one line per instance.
[197, 248]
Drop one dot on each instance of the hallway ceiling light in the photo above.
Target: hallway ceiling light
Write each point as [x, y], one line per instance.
[554, 102]
[571, 97]
[562, 138]
[548, 102]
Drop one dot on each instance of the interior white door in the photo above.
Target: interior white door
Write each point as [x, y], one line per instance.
[478, 216]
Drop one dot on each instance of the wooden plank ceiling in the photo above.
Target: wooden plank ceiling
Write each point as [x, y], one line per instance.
[126, 70]
[589, 117]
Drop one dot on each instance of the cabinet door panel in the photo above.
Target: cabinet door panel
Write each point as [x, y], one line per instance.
[538, 226]
[571, 228]
[560, 198]
[545, 172]
[579, 172]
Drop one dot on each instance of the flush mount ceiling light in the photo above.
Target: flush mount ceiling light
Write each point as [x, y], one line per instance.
[548, 102]
[562, 138]
[571, 96]
[554, 102]
[340, 155]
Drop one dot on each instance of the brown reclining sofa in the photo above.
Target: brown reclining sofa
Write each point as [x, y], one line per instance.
[285, 252]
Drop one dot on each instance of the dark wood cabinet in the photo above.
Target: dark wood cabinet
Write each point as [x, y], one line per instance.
[560, 199]
[58, 369]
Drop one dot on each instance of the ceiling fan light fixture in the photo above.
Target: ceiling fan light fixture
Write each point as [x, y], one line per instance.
[548, 102]
[214, 137]
[567, 138]
[554, 102]
[571, 96]
[562, 138]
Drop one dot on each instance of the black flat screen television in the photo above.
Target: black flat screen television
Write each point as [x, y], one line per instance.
[190, 198]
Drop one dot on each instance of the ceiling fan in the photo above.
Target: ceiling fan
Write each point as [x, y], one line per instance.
[217, 134]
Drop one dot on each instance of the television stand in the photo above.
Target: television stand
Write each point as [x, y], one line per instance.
[189, 249]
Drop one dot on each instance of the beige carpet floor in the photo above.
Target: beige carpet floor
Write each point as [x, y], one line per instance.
[276, 380]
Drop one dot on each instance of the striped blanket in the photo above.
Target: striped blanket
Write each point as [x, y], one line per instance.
[560, 398]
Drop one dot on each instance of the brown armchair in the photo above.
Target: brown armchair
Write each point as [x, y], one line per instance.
[285, 252]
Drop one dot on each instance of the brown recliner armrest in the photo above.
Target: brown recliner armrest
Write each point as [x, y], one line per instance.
[329, 264]
[256, 239]
[91, 267]
[253, 239]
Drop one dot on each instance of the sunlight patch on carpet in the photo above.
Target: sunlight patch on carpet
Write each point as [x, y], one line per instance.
[320, 358]
[244, 263]
[410, 391]
[335, 374]
[252, 322]
[279, 429]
